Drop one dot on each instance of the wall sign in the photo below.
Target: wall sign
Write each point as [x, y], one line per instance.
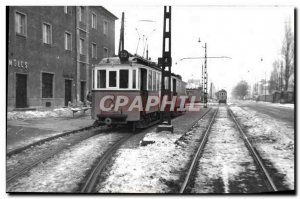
[18, 63]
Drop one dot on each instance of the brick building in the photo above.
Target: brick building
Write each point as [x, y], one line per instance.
[51, 51]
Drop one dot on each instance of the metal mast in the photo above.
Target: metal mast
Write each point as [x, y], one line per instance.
[205, 78]
[166, 62]
[121, 42]
[202, 85]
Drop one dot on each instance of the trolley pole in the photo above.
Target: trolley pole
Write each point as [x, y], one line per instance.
[165, 62]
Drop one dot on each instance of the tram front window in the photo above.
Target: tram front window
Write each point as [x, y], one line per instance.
[112, 78]
[123, 79]
[101, 76]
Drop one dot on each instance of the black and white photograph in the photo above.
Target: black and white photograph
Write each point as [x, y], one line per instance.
[152, 99]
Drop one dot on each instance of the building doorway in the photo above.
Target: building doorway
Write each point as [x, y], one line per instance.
[82, 91]
[21, 91]
[68, 91]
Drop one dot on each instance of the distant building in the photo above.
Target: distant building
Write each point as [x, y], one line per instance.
[212, 91]
[51, 52]
[193, 83]
[196, 93]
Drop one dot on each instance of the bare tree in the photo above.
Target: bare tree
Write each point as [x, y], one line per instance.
[275, 77]
[241, 90]
[288, 53]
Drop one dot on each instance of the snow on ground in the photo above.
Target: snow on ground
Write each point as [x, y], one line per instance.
[155, 167]
[59, 112]
[64, 171]
[272, 138]
[226, 165]
[27, 141]
[291, 106]
[145, 169]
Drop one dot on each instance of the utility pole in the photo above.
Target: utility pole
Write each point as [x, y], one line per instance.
[166, 62]
[205, 78]
[121, 42]
[265, 86]
[202, 86]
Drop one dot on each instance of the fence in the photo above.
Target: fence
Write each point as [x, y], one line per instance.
[278, 97]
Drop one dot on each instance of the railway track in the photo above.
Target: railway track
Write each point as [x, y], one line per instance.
[268, 180]
[42, 141]
[29, 160]
[88, 183]
[91, 180]
[197, 154]
[190, 183]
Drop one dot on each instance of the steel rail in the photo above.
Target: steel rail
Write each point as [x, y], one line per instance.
[93, 176]
[200, 148]
[92, 179]
[47, 156]
[42, 141]
[254, 154]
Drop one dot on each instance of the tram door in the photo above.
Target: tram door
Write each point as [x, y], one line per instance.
[21, 90]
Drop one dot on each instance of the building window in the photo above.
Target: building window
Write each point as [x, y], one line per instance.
[81, 13]
[105, 52]
[123, 79]
[93, 77]
[68, 41]
[94, 20]
[101, 79]
[66, 9]
[46, 33]
[47, 85]
[81, 46]
[20, 23]
[112, 78]
[105, 27]
[94, 50]
[134, 78]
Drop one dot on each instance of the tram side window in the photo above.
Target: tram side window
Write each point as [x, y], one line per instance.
[166, 82]
[150, 80]
[154, 80]
[101, 77]
[123, 79]
[133, 78]
[112, 78]
[157, 81]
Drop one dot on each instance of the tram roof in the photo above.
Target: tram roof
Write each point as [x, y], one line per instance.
[133, 59]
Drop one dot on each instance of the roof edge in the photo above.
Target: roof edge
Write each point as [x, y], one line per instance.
[108, 12]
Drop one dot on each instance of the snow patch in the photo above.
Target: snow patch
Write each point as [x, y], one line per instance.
[273, 139]
[58, 112]
[145, 169]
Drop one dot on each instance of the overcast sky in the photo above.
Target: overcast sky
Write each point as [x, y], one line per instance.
[246, 34]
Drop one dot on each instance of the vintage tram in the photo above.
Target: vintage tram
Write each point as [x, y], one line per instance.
[136, 78]
[222, 96]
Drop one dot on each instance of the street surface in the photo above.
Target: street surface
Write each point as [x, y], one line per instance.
[285, 114]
